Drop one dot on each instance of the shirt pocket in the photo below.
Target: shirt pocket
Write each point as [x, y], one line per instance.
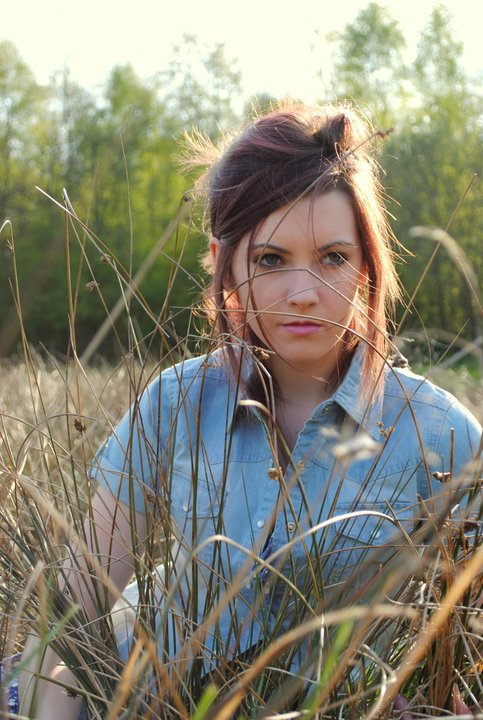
[367, 538]
[195, 495]
[196, 507]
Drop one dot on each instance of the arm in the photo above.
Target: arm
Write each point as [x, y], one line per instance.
[112, 547]
[458, 452]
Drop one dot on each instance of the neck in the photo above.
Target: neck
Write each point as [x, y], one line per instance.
[297, 396]
[298, 387]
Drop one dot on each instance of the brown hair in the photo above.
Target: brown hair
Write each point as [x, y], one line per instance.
[291, 152]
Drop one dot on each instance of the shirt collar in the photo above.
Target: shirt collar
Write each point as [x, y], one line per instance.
[350, 396]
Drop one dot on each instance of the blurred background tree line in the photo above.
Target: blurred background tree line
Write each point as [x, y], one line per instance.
[115, 154]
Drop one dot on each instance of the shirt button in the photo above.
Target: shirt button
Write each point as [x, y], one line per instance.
[326, 409]
[377, 535]
[248, 586]
[186, 507]
[260, 523]
[291, 526]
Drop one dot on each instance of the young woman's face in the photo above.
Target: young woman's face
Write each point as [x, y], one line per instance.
[298, 282]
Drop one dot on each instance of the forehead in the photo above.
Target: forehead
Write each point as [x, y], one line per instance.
[322, 219]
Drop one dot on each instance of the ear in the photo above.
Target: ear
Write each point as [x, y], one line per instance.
[363, 286]
[363, 276]
[214, 248]
[214, 254]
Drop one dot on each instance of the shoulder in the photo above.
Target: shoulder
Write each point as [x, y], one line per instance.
[181, 385]
[437, 414]
[197, 389]
[422, 394]
[195, 375]
[213, 365]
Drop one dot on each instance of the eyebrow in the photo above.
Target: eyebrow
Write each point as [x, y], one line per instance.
[283, 251]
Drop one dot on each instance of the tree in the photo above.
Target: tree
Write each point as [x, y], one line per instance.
[369, 65]
[259, 104]
[431, 156]
[438, 69]
[21, 123]
[430, 164]
[19, 99]
[201, 87]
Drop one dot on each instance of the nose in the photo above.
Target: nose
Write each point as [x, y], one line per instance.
[303, 288]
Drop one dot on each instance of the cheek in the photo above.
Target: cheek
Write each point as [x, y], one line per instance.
[240, 298]
[339, 304]
[270, 289]
[352, 307]
[253, 298]
[254, 295]
[237, 289]
[347, 289]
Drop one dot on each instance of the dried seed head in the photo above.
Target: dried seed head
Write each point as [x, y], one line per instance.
[260, 353]
[274, 473]
[442, 477]
[79, 426]
[92, 285]
[360, 447]
[399, 361]
[151, 497]
[385, 432]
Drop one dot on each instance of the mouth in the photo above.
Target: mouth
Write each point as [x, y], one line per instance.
[303, 327]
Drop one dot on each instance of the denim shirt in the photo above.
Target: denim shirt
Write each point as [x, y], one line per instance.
[194, 452]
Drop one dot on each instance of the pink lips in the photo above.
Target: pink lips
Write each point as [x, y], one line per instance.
[303, 328]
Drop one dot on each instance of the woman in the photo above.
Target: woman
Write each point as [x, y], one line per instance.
[278, 466]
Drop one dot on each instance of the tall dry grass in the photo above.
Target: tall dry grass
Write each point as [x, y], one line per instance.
[405, 641]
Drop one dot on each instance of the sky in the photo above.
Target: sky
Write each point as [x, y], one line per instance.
[279, 46]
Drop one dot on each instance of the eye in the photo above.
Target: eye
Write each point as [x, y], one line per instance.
[333, 259]
[268, 260]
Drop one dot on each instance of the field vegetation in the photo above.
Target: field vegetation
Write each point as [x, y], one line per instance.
[407, 643]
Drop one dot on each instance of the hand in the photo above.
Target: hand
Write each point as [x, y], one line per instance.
[460, 708]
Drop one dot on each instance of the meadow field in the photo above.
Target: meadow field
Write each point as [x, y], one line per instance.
[391, 648]
[401, 635]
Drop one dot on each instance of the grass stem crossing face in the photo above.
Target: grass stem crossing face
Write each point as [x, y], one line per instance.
[297, 282]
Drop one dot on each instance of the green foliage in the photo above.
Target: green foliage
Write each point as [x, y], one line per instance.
[430, 158]
[116, 156]
[200, 87]
[439, 147]
[369, 66]
[117, 159]
[437, 65]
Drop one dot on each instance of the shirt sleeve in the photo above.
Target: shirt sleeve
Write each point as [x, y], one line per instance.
[130, 463]
[456, 462]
